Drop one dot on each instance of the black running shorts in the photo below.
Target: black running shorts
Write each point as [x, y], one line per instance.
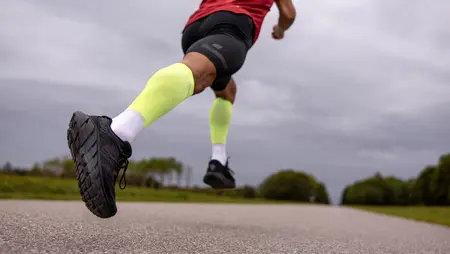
[224, 38]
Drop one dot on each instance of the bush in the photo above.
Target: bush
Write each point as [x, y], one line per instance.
[289, 185]
[322, 194]
[247, 192]
[378, 190]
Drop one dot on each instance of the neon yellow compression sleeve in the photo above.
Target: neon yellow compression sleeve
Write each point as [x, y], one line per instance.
[165, 90]
[219, 120]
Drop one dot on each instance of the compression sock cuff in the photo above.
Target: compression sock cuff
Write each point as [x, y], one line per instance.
[185, 71]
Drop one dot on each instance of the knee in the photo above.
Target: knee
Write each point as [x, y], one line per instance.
[229, 93]
[214, 56]
[203, 70]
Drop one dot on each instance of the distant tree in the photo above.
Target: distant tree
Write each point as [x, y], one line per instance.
[398, 189]
[179, 173]
[174, 167]
[344, 196]
[53, 164]
[35, 170]
[442, 183]
[160, 166]
[414, 193]
[68, 168]
[7, 167]
[426, 185]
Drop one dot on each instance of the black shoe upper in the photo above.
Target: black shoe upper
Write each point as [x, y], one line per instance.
[217, 167]
[114, 152]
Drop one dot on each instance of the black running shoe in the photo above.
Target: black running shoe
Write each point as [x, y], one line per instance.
[219, 176]
[99, 155]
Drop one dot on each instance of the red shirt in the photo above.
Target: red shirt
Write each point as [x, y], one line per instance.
[255, 9]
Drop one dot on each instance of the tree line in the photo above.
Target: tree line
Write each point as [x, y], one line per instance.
[431, 187]
[171, 173]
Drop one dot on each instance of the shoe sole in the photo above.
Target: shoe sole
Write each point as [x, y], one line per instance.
[216, 181]
[82, 138]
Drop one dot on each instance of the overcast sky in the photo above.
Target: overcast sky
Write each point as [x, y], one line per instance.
[356, 87]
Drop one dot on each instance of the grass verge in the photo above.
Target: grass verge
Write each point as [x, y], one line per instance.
[24, 187]
[437, 215]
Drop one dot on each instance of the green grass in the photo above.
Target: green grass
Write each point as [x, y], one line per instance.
[437, 215]
[24, 187]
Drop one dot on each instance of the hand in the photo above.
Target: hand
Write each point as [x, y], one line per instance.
[278, 32]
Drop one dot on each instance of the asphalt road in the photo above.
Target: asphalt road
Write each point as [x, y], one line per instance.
[68, 227]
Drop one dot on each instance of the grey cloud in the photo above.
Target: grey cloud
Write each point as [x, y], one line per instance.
[356, 87]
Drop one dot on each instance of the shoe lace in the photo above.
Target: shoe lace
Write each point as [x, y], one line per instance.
[123, 165]
[228, 168]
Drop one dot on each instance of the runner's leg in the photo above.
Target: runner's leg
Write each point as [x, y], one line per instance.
[217, 55]
[220, 119]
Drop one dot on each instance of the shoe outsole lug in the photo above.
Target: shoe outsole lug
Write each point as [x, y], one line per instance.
[82, 138]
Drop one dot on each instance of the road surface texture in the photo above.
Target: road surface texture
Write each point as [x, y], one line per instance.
[68, 227]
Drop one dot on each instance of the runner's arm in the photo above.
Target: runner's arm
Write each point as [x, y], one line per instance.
[287, 13]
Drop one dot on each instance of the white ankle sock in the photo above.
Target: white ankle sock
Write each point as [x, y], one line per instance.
[219, 153]
[127, 125]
